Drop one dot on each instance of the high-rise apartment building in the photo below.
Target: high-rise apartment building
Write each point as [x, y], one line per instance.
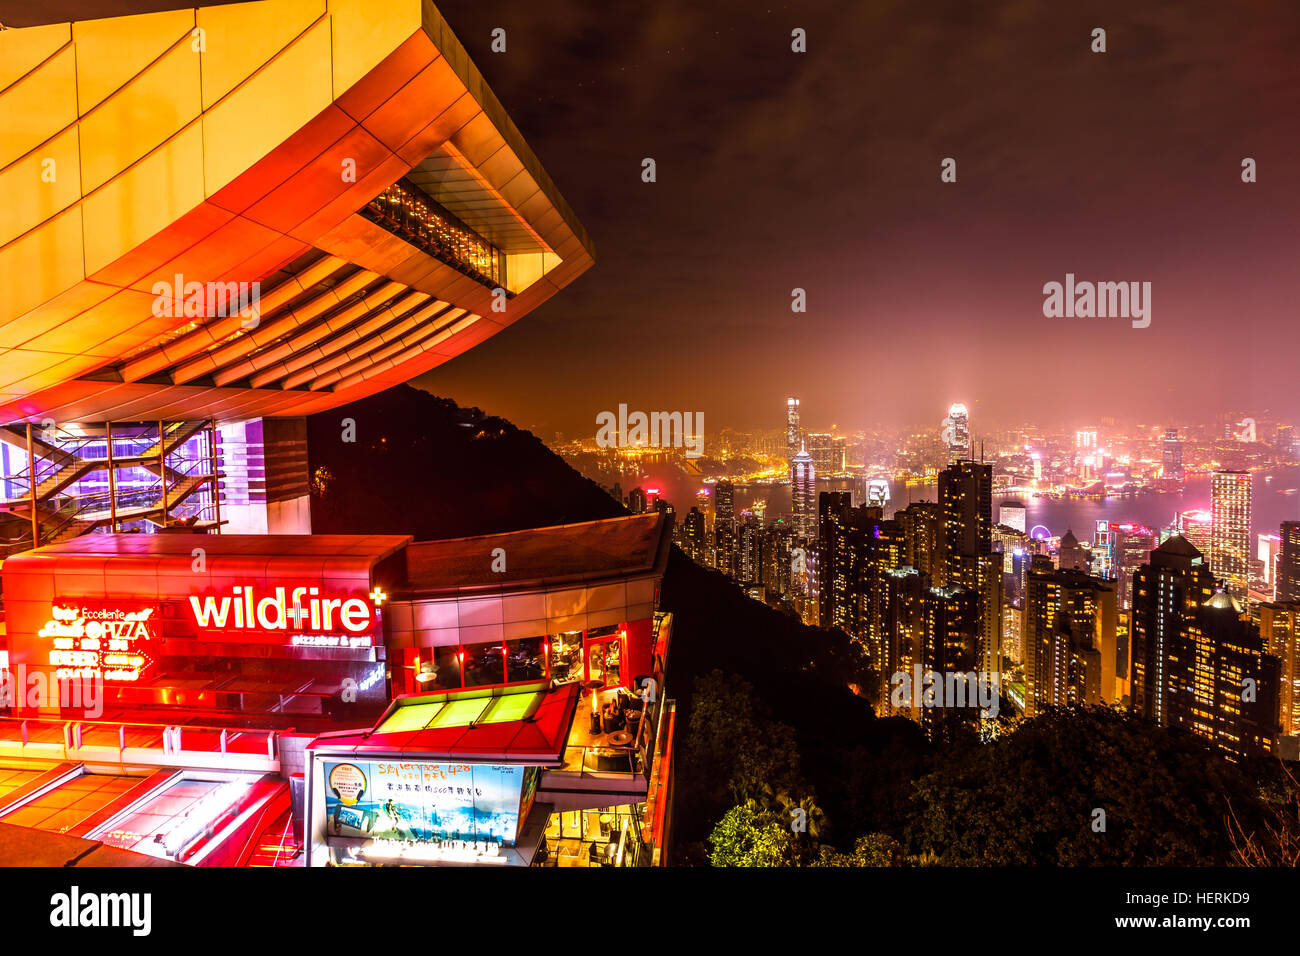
[1279, 626]
[1223, 683]
[1288, 562]
[834, 514]
[922, 524]
[1230, 515]
[724, 527]
[749, 550]
[1068, 639]
[778, 572]
[1130, 546]
[1166, 593]
[966, 505]
[693, 542]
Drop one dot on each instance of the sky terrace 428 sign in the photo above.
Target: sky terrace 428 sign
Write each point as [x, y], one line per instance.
[302, 616]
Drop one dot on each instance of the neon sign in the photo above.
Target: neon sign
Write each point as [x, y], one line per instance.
[302, 614]
[100, 640]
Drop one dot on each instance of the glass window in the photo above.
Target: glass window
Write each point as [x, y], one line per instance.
[524, 659]
[439, 669]
[483, 664]
[566, 657]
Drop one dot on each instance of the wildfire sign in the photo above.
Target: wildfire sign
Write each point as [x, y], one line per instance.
[105, 641]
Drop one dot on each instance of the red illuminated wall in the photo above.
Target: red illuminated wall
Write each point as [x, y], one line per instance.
[204, 672]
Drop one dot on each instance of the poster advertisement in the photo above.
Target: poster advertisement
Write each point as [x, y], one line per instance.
[423, 802]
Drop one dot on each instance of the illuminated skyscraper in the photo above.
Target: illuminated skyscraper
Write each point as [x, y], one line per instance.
[749, 550]
[1230, 507]
[1219, 655]
[1279, 626]
[1130, 547]
[956, 432]
[1166, 593]
[903, 613]
[966, 500]
[793, 432]
[824, 453]
[922, 523]
[877, 495]
[1267, 547]
[693, 534]
[1171, 464]
[777, 565]
[1013, 515]
[1071, 556]
[1288, 562]
[966, 503]
[1069, 639]
[1197, 527]
[838, 577]
[803, 495]
[724, 526]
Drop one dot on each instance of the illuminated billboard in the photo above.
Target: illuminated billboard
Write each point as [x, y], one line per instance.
[89, 639]
[426, 803]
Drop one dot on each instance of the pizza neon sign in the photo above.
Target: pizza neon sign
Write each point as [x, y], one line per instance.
[100, 640]
[302, 614]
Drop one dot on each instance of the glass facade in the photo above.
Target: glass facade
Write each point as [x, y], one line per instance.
[596, 655]
[406, 211]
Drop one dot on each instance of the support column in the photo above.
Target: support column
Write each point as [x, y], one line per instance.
[112, 480]
[216, 485]
[162, 467]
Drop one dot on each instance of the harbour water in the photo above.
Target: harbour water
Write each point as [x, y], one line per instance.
[1276, 499]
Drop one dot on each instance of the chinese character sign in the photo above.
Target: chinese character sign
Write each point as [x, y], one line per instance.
[392, 800]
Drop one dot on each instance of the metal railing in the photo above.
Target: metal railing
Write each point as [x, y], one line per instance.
[73, 736]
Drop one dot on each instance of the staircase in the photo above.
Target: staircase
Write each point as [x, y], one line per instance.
[60, 516]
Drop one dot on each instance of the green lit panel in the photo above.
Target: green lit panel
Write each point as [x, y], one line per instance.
[512, 707]
[414, 717]
[459, 713]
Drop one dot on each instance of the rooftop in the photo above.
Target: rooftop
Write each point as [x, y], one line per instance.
[526, 724]
[591, 550]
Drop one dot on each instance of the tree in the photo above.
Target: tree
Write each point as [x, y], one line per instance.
[1275, 841]
[872, 849]
[750, 836]
[731, 750]
[1085, 788]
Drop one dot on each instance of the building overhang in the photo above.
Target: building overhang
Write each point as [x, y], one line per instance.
[239, 144]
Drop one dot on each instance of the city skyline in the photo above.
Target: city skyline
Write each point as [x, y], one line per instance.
[358, 506]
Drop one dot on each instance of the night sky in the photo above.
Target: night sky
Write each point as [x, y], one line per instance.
[821, 170]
